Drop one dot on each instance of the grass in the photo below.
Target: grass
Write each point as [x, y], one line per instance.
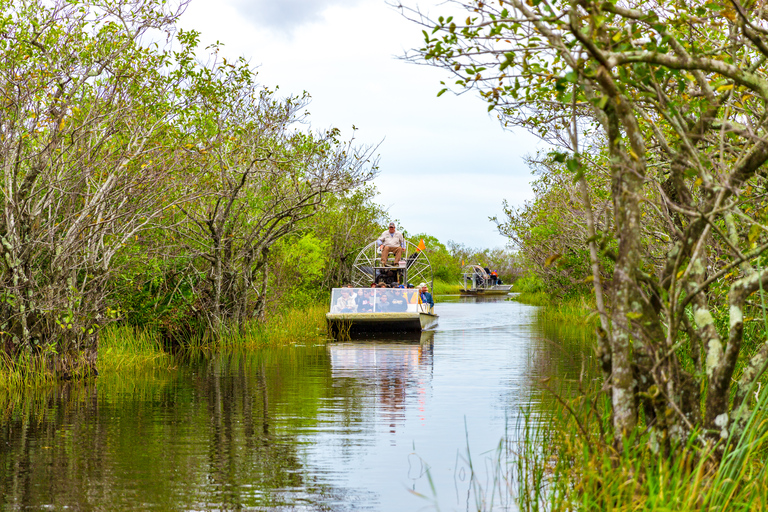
[445, 288]
[565, 459]
[126, 347]
[563, 464]
[578, 310]
[25, 371]
[130, 350]
[283, 328]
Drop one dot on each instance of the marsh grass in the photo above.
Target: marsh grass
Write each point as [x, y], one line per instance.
[445, 288]
[562, 464]
[128, 351]
[126, 347]
[25, 370]
[564, 458]
[559, 457]
[283, 328]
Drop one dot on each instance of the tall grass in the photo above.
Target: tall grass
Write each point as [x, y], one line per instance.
[566, 459]
[562, 464]
[126, 349]
[446, 288]
[25, 370]
[282, 328]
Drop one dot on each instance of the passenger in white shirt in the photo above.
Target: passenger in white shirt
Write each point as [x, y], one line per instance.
[391, 241]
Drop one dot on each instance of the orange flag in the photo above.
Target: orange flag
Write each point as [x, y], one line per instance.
[421, 245]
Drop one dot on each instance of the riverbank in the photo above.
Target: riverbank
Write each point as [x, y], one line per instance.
[569, 463]
[579, 310]
[569, 460]
[124, 348]
[445, 288]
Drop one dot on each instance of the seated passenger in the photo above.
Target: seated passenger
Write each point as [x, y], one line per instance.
[399, 302]
[425, 297]
[346, 303]
[391, 241]
[383, 305]
[366, 302]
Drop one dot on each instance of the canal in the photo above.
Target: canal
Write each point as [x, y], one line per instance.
[385, 425]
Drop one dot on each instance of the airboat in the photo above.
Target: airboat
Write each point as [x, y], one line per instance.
[364, 309]
[478, 282]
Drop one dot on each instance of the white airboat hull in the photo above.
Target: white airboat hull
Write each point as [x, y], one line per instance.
[342, 324]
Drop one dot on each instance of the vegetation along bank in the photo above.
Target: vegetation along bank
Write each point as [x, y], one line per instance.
[650, 201]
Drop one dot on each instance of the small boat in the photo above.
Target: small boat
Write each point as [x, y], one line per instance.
[366, 310]
[477, 281]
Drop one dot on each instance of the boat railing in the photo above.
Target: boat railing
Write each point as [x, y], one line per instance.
[374, 300]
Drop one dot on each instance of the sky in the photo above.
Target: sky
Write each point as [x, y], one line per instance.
[446, 165]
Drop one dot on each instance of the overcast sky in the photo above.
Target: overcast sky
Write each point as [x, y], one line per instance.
[446, 165]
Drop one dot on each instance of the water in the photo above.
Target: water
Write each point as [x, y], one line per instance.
[361, 425]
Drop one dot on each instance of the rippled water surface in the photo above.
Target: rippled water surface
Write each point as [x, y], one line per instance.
[359, 425]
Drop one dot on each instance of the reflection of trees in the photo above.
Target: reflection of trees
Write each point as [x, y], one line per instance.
[557, 353]
[221, 432]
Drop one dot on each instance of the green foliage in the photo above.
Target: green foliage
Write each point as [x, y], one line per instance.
[550, 233]
[444, 265]
[298, 268]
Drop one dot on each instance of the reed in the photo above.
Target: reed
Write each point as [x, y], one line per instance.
[25, 370]
[282, 328]
[127, 350]
[445, 288]
[126, 347]
[562, 464]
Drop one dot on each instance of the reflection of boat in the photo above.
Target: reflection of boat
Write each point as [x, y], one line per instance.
[395, 372]
[477, 281]
[397, 355]
[370, 310]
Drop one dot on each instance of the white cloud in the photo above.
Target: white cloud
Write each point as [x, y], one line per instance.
[284, 15]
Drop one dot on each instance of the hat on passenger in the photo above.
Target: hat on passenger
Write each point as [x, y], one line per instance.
[391, 224]
[423, 285]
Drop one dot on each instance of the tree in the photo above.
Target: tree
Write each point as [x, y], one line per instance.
[674, 96]
[85, 139]
[261, 178]
[550, 234]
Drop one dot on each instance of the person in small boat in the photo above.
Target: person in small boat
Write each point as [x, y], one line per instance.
[412, 294]
[365, 301]
[346, 303]
[382, 304]
[399, 302]
[425, 297]
[391, 241]
[478, 278]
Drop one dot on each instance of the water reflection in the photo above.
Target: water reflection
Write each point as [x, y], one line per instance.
[344, 426]
[389, 368]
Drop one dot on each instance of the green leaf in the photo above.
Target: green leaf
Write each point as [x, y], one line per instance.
[558, 157]
[573, 165]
